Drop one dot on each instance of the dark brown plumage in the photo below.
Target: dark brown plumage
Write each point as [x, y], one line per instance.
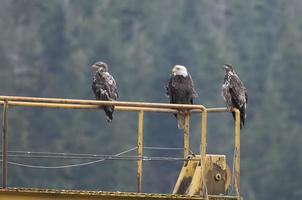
[180, 90]
[104, 87]
[234, 93]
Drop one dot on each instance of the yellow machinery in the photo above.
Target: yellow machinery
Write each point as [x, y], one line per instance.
[217, 176]
[202, 176]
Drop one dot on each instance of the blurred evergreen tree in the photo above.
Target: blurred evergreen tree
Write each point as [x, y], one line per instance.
[47, 48]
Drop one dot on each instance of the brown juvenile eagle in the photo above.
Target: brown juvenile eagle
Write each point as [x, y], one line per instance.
[234, 93]
[180, 90]
[104, 87]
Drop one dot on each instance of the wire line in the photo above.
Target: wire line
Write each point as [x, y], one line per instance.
[67, 166]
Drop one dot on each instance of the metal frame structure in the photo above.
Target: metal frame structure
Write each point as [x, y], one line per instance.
[139, 107]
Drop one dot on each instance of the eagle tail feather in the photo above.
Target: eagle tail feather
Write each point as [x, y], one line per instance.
[242, 118]
[181, 121]
[109, 112]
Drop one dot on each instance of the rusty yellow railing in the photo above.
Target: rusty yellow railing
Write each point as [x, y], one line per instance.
[140, 107]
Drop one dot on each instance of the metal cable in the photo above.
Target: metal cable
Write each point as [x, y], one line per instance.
[54, 153]
[89, 155]
[112, 157]
[109, 157]
[33, 154]
[60, 155]
[51, 155]
[67, 166]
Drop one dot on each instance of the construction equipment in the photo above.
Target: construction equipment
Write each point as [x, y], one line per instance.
[217, 176]
[202, 176]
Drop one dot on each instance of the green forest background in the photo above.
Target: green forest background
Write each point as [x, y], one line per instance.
[47, 47]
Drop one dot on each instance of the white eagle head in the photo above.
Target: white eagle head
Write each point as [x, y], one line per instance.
[100, 66]
[180, 70]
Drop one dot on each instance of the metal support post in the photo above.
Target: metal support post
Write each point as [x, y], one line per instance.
[186, 135]
[237, 152]
[203, 146]
[140, 150]
[4, 143]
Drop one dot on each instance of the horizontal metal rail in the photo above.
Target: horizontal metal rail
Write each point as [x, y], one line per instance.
[102, 103]
[83, 106]
[140, 108]
[219, 110]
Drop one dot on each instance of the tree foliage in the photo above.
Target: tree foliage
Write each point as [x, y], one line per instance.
[46, 48]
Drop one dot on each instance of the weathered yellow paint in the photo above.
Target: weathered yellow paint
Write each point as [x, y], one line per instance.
[203, 146]
[185, 176]
[40, 194]
[24, 100]
[190, 181]
[197, 181]
[228, 178]
[140, 150]
[140, 107]
[4, 143]
[187, 135]
[237, 152]
[87, 106]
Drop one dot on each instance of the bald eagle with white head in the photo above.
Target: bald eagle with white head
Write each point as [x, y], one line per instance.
[104, 87]
[234, 93]
[180, 90]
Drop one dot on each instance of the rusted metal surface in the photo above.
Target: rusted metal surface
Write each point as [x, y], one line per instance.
[217, 110]
[82, 106]
[141, 107]
[4, 143]
[190, 182]
[41, 194]
[187, 135]
[203, 146]
[216, 180]
[237, 153]
[185, 176]
[140, 150]
[237, 145]
[97, 102]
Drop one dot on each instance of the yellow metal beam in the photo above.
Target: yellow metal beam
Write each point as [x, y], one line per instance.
[203, 146]
[187, 135]
[237, 152]
[218, 110]
[185, 176]
[190, 179]
[140, 150]
[41, 194]
[4, 143]
[141, 107]
[82, 106]
[100, 103]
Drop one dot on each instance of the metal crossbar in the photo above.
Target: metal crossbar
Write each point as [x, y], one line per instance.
[140, 108]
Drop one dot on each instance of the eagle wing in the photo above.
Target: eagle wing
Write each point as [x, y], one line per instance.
[239, 97]
[237, 91]
[168, 86]
[110, 86]
[191, 85]
[169, 89]
[104, 86]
